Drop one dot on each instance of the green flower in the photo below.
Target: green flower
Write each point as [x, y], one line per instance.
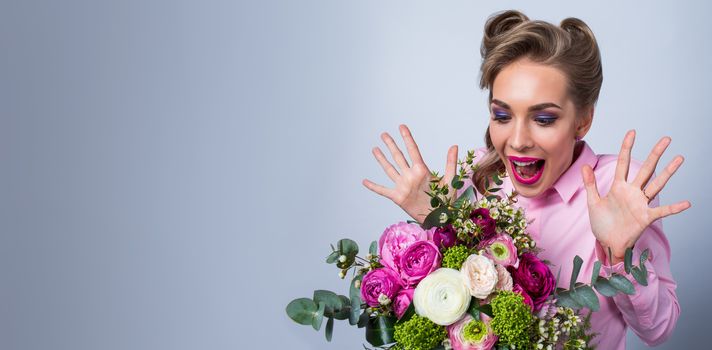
[419, 333]
[512, 319]
[455, 256]
[474, 331]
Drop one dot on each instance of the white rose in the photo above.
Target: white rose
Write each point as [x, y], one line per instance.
[442, 297]
[479, 275]
[504, 279]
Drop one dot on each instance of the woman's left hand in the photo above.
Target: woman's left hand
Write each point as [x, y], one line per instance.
[619, 218]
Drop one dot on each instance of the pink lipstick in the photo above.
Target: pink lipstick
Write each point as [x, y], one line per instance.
[527, 170]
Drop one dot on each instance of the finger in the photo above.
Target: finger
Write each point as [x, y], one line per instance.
[648, 167]
[451, 164]
[666, 210]
[624, 156]
[395, 151]
[385, 164]
[589, 182]
[657, 184]
[383, 191]
[411, 146]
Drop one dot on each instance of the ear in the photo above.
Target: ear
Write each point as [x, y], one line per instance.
[584, 122]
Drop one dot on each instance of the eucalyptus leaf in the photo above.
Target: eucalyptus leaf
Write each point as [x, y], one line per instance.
[575, 272]
[363, 319]
[644, 256]
[639, 276]
[332, 257]
[628, 261]
[302, 310]
[330, 299]
[468, 194]
[379, 330]
[355, 310]
[585, 296]
[318, 316]
[456, 183]
[435, 202]
[348, 247]
[622, 284]
[566, 300]
[433, 219]
[353, 291]
[373, 249]
[329, 331]
[596, 272]
[605, 287]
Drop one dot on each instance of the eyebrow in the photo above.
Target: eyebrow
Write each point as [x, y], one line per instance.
[536, 107]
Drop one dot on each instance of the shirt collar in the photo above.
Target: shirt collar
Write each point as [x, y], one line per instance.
[571, 180]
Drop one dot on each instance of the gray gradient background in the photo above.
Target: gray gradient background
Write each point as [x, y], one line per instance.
[173, 172]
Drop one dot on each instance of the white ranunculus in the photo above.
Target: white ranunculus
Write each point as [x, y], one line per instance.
[442, 297]
[479, 275]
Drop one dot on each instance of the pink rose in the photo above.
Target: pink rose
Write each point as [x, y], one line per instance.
[417, 261]
[397, 238]
[481, 218]
[527, 299]
[402, 301]
[535, 278]
[504, 279]
[500, 248]
[485, 337]
[379, 281]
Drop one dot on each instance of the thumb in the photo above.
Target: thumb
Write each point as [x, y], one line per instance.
[589, 182]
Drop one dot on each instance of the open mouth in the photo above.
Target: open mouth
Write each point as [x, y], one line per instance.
[527, 170]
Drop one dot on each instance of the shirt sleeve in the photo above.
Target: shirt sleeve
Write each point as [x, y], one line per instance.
[653, 310]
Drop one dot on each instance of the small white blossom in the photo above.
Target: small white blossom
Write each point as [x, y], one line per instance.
[342, 274]
[383, 299]
[342, 258]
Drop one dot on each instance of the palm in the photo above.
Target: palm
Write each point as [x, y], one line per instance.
[411, 180]
[619, 218]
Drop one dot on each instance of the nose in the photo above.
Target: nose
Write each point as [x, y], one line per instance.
[521, 139]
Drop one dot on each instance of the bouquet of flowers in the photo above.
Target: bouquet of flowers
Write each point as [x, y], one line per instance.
[468, 278]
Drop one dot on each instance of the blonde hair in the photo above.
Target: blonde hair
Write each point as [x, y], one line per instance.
[571, 47]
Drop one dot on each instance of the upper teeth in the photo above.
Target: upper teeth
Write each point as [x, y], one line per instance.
[523, 163]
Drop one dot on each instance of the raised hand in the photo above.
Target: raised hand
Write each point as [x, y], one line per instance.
[619, 218]
[411, 181]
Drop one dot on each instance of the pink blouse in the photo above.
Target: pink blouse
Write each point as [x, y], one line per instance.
[561, 227]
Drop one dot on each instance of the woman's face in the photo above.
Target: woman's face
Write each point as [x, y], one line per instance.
[533, 125]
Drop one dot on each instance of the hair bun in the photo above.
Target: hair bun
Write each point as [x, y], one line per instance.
[498, 24]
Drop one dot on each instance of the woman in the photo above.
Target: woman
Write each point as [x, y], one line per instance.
[543, 83]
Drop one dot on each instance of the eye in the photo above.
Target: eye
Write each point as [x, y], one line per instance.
[500, 117]
[545, 120]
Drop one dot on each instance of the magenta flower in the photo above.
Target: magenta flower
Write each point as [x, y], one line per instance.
[481, 218]
[527, 299]
[377, 282]
[402, 301]
[417, 261]
[535, 278]
[445, 237]
[395, 239]
[500, 248]
[486, 338]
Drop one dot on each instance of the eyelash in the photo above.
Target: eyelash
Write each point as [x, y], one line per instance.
[503, 118]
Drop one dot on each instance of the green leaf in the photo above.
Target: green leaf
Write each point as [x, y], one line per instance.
[355, 310]
[639, 276]
[585, 296]
[302, 310]
[330, 299]
[318, 316]
[566, 300]
[622, 284]
[353, 291]
[435, 202]
[644, 256]
[345, 311]
[456, 182]
[348, 247]
[497, 180]
[373, 249]
[329, 331]
[628, 261]
[493, 190]
[596, 272]
[575, 272]
[433, 219]
[473, 310]
[363, 319]
[409, 312]
[379, 330]
[604, 287]
[486, 309]
[468, 194]
[332, 257]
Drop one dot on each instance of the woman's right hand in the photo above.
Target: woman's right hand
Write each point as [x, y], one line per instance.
[412, 182]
